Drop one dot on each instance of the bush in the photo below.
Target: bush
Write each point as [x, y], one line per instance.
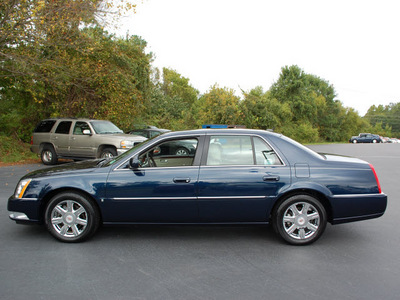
[14, 151]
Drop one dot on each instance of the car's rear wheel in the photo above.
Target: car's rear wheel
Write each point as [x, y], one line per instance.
[300, 219]
[374, 141]
[71, 217]
[108, 153]
[48, 155]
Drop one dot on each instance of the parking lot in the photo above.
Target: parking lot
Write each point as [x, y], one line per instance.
[351, 261]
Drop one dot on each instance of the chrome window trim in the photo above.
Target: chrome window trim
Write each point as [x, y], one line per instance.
[196, 136]
[251, 135]
[156, 142]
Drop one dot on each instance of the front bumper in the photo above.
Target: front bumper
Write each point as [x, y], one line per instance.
[24, 210]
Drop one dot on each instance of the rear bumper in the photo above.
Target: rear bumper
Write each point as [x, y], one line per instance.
[357, 207]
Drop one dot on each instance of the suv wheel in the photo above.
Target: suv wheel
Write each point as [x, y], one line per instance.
[48, 155]
[108, 153]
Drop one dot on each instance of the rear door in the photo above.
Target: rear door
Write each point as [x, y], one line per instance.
[82, 145]
[60, 138]
[239, 179]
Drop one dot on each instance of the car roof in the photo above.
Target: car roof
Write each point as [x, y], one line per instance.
[210, 131]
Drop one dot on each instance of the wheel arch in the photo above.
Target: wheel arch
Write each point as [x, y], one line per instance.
[45, 144]
[46, 199]
[318, 195]
[104, 146]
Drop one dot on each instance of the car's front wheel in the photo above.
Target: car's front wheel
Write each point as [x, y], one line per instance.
[71, 217]
[354, 141]
[300, 219]
[108, 153]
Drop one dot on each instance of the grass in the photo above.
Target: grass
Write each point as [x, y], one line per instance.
[15, 151]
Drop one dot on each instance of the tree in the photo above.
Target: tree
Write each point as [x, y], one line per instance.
[217, 106]
[171, 101]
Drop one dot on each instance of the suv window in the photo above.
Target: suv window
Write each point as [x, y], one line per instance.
[80, 127]
[64, 127]
[240, 150]
[45, 126]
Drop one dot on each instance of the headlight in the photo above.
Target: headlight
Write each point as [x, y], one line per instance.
[21, 187]
[127, 144]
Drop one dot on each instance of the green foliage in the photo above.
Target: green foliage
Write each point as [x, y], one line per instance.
[14, 150]
[385, 118]
[217, 106]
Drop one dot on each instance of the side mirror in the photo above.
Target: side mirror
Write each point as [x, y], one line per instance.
[86, 132]
[134, 163]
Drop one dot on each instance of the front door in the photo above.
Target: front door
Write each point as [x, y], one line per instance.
[161, 190]
[82, 145]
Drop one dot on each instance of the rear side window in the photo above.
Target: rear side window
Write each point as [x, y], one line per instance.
[64, 127]
[240, 150]
[45, 126]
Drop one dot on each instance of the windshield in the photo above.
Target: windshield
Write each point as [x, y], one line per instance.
[105, 127]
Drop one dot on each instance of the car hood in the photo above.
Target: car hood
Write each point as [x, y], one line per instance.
[123, 136]
[76, 167]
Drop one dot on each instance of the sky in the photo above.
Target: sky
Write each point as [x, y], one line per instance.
[354, 45]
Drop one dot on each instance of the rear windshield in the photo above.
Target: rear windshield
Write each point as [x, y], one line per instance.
[45, 126]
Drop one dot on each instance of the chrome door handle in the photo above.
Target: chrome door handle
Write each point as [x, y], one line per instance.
[271, 178]
[181, 180]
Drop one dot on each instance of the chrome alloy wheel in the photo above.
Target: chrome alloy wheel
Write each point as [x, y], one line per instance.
[47, 156]
[69, 218]
[301, 220]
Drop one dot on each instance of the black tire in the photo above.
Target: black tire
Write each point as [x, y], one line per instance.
[108, 152]
[71, 217]
[48, 155]
[300, 219]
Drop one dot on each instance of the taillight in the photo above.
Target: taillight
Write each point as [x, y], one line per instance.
[32, 140]
[376, 178]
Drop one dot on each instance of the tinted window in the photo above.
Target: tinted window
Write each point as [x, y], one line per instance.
[230, 150]
[265, 155]
[45, 126]
[240, 150]
[64, 127]
[139, 132]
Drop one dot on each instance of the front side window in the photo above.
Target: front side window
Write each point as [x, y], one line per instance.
[173, 153]
[240, 150]
[80, 127]
[63, 127]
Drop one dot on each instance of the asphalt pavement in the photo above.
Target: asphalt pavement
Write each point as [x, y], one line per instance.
[350, 261]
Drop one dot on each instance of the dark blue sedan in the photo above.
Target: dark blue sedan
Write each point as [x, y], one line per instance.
[232, 176]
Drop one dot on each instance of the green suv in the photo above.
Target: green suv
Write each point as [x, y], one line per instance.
[80, 139]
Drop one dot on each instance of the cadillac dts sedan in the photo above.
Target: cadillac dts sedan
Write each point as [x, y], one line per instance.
[231, 176]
